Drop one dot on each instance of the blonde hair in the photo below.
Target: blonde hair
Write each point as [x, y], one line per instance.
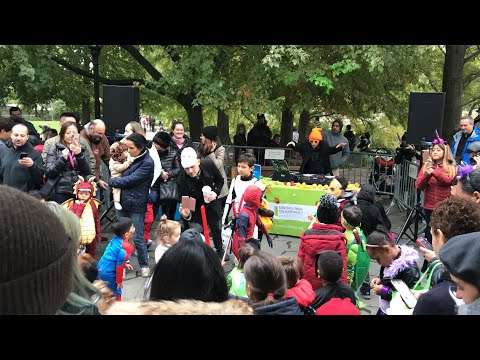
[165, 229]
[448, 161]
[136, 127]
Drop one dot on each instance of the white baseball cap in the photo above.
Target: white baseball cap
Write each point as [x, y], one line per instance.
[188, 157]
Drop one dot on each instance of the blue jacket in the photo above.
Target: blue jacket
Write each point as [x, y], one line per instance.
[456, 138]
[288, 306]
[115, 255]
[135, 183]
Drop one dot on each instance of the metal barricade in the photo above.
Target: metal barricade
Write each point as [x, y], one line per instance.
[405, 192]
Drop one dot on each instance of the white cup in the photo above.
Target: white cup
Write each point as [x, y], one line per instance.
[206, 190]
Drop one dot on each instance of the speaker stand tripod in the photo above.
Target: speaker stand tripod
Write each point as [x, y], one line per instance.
[413, 218]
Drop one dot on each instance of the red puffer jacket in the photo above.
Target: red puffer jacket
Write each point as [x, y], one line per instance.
[436, 185]
[319, 238]
[303, 292]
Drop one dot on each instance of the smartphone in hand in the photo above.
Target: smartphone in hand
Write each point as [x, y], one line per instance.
[189, 203]
[421, 241]
[23, 155]
[407, 296]
[425, 155]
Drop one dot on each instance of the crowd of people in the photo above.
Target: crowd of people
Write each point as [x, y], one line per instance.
[59, 188]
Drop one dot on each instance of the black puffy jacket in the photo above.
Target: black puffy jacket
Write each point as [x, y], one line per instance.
[57, 166]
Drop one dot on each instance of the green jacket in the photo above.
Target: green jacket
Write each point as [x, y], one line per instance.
[352, 254]
[236, 282]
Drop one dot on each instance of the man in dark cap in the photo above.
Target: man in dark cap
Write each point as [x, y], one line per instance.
[461, 257]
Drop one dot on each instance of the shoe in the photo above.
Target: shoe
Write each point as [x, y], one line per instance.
[365, 291]
[220, 255]
[145, 272]
[149, 243]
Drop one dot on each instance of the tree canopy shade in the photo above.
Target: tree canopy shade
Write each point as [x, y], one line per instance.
[226, 84]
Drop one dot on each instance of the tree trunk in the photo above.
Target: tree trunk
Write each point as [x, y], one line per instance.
[453, 87]
[223, 129]
[194, 113]
[303, 126]
[286, 129]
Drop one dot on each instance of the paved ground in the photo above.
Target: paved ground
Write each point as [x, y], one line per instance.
[283, 245]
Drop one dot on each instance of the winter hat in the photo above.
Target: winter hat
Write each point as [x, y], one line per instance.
[192, 234]
[473, 147]
[36, 256]
[316, 134]
[337, 306]
[210, 132]
[162, 138]
[85, 186]
[327, 211]
[461, 256]
[188, 157]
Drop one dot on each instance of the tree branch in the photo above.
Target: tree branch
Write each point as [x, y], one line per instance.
[471, 56]
[322, 115]
[468, 79]
[151, 70]
[89, 75]
[472, 101]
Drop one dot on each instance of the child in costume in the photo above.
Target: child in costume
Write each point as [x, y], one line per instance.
[248, 218]
[86, 208]
[114, 259]
[397, 262]
[236, 278]
[119, 162]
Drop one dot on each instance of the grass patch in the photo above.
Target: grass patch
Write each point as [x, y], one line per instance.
[53, 124]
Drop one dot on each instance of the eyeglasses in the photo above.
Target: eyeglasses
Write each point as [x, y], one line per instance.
[314, 141]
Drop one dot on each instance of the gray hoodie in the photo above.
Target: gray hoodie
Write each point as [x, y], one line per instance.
[337, 160]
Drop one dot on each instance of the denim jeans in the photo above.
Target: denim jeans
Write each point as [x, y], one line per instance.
[138, 240]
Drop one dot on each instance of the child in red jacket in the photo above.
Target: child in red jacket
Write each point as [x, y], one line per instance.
[436, 177]
[248, 218]
[324, 235]
[297, 288]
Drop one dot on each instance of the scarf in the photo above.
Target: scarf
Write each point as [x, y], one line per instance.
[179, 142]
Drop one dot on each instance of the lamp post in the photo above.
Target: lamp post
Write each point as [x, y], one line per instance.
[95, 51]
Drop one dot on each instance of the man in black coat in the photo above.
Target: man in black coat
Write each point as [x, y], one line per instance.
[260, 135]
[196, 175]
[21, 166]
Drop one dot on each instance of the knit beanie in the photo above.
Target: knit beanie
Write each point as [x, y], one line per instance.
[327, 211]
[461, 257]
[162, 138]
[210, 132]
[316, 134]
[36, 257]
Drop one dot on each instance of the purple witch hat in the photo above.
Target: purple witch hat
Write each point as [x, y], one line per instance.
[438, 140]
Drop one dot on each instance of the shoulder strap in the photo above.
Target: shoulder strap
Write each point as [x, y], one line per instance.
[357, 241]
[429, 272]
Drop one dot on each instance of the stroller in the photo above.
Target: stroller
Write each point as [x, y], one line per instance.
[382, 175]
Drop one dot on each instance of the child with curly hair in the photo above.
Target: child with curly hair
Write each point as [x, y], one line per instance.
[119, 162]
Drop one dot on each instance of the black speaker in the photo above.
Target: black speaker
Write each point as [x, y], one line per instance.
[425, 115]
[120, 106]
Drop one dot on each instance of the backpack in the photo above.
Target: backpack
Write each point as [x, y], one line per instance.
[362, 266]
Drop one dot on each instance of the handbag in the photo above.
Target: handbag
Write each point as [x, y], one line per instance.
[168, 190]
[48, 189]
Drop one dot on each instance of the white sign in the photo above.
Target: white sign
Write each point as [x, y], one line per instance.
[292, 211]
[275, 154]
[412, 171]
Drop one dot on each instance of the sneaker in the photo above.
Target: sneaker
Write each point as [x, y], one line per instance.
[145, 272]
[149, 243]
